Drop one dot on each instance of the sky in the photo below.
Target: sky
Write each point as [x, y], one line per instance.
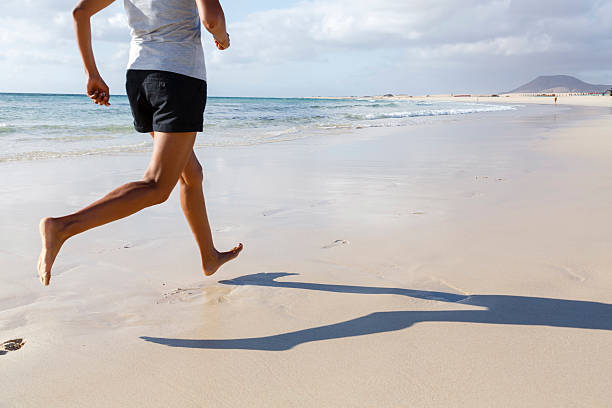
[332, 47]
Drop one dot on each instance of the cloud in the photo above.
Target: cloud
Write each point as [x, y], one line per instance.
[421, 46]
[444, 27]
[407, 45]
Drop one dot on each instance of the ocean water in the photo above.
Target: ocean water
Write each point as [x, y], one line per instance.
[47, 126]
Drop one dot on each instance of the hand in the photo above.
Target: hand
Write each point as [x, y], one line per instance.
[224, 43]
[98, 91]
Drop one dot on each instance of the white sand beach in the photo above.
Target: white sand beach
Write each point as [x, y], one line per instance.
[562, 99]
[461, 262]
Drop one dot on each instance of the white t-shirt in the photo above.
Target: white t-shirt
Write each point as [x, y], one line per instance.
[166, 36]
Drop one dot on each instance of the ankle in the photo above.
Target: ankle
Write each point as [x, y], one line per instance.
[62, 228]
[210, 254]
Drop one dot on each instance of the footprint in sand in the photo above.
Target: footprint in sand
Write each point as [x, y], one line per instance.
[179, 295]
[274, 211]
[217, 294]
[486, 178]
[212, 294]
[11, 345]
[336, 243]
[569, 272]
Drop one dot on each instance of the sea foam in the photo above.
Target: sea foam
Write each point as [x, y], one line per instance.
[29, 130]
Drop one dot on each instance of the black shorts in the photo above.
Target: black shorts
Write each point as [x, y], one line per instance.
[165, 101]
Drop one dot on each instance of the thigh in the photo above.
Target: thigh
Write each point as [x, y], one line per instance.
[192, 172]
[171, 151]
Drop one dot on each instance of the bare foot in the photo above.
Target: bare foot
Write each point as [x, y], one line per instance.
[52, 241]
[212, 264]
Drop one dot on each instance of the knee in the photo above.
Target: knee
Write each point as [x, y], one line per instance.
[159, 193]
[192, 174]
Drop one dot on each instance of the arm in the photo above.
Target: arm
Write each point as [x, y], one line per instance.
[97, 90]
[213, 20]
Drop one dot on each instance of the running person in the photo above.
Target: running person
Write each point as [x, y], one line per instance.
[166, 87]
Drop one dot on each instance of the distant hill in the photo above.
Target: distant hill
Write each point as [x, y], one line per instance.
[559, 84]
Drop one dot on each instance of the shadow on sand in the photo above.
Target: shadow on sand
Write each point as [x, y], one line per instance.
[497, 309]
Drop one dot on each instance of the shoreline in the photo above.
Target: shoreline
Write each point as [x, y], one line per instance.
[390, 260]
[563, 99]
[108, 131]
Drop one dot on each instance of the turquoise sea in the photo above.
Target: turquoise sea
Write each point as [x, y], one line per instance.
[50, 126]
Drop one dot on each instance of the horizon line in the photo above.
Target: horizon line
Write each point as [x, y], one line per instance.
[208, 96]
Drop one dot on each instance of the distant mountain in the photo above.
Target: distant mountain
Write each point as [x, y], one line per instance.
[559, 84]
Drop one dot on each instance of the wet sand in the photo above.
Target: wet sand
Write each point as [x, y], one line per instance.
[459, 262]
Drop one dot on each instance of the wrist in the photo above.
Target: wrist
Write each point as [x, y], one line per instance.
[92, 74]
[223, 38]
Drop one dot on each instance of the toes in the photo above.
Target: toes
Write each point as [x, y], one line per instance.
[45, 278]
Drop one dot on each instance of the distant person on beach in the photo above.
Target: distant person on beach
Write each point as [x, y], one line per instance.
[555, 100]
[166, 87]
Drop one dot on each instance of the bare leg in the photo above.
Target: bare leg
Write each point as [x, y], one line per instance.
[194, 207]
[170, 153]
